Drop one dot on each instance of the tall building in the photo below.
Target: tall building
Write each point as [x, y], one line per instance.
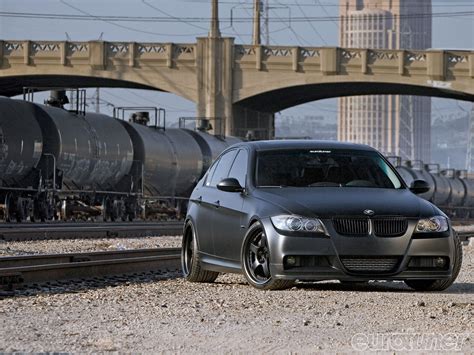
[396, 125]
[470, 144]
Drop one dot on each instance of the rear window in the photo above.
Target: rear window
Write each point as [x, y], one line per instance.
[324, 168]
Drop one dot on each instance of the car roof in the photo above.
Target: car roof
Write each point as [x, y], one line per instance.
[302, 144]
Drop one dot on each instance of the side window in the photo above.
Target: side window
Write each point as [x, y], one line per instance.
[222, 168]
[239, 168]
[211, 172]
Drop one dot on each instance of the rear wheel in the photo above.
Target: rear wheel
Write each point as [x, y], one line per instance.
[440, 285]
[256, 261]
[191, 265]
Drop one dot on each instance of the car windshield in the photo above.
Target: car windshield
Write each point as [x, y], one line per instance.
[324, 168]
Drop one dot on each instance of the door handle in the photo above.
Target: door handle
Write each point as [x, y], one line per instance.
[199, 199]
[217, 204]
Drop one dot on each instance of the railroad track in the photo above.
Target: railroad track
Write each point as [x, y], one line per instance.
[465, 236]
[24, 270]
[61, 230]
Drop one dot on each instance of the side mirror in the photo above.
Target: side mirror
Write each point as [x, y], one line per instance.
[419, 187]
[230, 185]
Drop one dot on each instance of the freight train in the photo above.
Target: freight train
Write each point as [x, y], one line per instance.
[58, 164]
[451, 190]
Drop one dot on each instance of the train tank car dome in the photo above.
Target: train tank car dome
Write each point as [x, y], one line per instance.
[21, 141]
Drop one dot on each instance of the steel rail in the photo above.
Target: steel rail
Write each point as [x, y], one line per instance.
[31, 269]
[465, 236]
[43, 231]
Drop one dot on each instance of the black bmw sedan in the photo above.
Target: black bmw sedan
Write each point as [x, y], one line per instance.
[282, 211]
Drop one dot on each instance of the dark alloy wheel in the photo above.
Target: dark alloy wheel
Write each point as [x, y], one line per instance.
[190, 263]
[440, 285]
[256, 261]
[187, 253]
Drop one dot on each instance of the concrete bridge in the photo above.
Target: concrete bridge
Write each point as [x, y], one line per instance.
[242, 84]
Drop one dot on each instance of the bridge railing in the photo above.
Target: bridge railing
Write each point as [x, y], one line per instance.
[96, 53]
[437, 64]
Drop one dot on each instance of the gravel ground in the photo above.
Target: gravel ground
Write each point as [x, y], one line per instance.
[164, 313]
[461, 228]
[85, 245]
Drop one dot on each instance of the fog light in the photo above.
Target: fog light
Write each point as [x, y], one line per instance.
[440, 262]
[291, 260]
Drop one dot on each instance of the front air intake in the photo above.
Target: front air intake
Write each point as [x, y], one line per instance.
[369, 265]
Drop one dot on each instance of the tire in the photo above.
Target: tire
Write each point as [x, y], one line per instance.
[256, 261]
[190, 262]
[441, 285]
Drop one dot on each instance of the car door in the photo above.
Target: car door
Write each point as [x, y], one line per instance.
[204, 212]
[229, 217]
[209, 200]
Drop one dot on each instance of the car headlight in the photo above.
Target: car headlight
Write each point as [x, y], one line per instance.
[432, 225]
[298, 224]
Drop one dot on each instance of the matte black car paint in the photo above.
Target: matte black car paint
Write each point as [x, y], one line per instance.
[221, 220]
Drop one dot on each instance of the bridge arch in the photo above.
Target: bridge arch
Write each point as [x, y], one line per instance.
[279, 77]
[286, 96]
[157, 66]
[12, 86]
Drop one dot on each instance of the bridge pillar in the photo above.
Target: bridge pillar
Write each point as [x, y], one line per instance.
[214, 61]
[215, 73]
[252, 124]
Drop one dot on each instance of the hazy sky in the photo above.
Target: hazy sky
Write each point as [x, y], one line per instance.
[448, 32]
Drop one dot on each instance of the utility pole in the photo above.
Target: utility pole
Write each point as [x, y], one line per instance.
[97, 100]
[266, 20]
[215, 32]
[256, 23]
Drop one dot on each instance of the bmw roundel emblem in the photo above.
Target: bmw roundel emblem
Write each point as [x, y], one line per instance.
[369, 212]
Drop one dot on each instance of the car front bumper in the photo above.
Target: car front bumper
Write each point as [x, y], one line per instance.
[334, 257]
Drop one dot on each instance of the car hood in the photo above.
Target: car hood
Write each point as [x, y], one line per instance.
[335, 201]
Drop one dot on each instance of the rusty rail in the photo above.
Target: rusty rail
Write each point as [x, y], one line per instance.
[21, 270]
[45, 231]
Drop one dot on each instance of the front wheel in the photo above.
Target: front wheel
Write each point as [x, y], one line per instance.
[256, 261]
[191, 265]
[441, 285]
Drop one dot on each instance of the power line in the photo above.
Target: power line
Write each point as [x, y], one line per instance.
[311, 25]
[448, 4]
[135, 103]
[174, 17]
[298, 38]
[154, 102]
[318, 3]
[112, 20]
